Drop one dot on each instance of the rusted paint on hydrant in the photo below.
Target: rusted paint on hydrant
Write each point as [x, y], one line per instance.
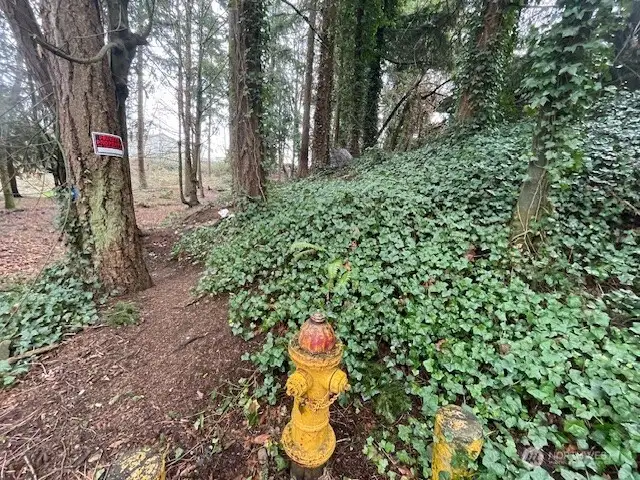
[458, 440]
[308, 439]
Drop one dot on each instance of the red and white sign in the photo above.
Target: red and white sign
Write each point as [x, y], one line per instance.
[107, 144]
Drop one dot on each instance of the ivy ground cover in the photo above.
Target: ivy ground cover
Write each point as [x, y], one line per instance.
[409, 256]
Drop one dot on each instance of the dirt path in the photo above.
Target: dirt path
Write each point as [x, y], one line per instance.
[170, 382]
[110, 388]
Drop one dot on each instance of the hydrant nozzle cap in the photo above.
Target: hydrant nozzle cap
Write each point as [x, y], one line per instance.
[316, 335]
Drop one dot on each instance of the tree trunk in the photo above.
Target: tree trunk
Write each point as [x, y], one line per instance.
[142, 175]
[9, 202]
[199, 108]
[303, 164]
[374, 87]
[324, 89]
[354, 114]
[190, 170]
[247, 149]
[180, 95]
[532, 202]
[104, 215]
[209, 147]
[24, 25]
[13, 178]
[101, 223]
[481, 80]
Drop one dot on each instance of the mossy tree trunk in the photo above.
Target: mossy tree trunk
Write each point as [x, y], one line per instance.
[374, 87]
[357, 88]
[532, 202]
[100, 223]
[561, 77]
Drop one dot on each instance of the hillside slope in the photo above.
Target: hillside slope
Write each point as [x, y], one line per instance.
[409, 255]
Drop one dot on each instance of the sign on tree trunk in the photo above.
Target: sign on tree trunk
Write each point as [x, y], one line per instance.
[107, 144]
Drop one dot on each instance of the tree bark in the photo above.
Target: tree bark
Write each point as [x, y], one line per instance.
[24, 25]
[142, 174]
[303, 163]
[104, 210]
[324, 89]
[209, 146]
[374, 87]
[247, 147]
[533, 203]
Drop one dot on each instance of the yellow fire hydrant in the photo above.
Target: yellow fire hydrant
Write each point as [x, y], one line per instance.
[308, 439]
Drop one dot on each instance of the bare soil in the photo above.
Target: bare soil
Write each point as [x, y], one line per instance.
[172, 382]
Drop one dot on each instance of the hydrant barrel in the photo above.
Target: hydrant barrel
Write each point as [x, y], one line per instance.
[308, 438]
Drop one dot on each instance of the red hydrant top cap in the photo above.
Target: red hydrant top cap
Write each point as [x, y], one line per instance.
[316, 335]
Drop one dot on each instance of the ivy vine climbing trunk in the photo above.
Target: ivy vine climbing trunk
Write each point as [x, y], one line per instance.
[357, 82]
[303, 163]
[324, 88]
[564, 78]
[246, 18]
[490, 46]
[374, 77]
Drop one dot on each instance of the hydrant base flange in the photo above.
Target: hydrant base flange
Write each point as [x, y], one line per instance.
[309, 458]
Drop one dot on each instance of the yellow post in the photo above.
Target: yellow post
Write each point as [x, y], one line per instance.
[308, 439]
[458, 440]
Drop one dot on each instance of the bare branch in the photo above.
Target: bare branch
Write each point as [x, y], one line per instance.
[405, 96]
[85, 61]
[151, 10]
[304, 17]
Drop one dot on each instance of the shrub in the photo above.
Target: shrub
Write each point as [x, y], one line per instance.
[43, 312]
